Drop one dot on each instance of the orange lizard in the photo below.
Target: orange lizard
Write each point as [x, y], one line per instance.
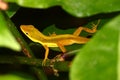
[56, 40]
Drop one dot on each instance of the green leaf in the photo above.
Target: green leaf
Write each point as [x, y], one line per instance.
[82, 8]
[16, 76]
[54, 30]
[12, 9]
[119, 57]
[79, 8]
[98, 60]
[6, 38]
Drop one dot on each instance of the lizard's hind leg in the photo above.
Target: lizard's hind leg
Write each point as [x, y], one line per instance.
[93, 30]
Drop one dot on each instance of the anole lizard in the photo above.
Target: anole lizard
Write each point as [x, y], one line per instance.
[56, 40]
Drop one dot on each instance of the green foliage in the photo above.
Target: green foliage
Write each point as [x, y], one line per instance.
[79, 8]
[16, 76]
[6, 37]
[98, 59]
[12, 9]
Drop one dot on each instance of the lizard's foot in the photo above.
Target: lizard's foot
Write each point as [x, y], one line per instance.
[44, 62]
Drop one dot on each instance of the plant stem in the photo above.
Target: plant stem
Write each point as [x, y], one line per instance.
[7, 59]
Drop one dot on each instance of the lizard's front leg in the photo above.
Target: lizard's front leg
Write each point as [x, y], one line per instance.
[46, 54]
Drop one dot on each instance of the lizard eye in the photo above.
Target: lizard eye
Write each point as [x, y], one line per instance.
[26, 33]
